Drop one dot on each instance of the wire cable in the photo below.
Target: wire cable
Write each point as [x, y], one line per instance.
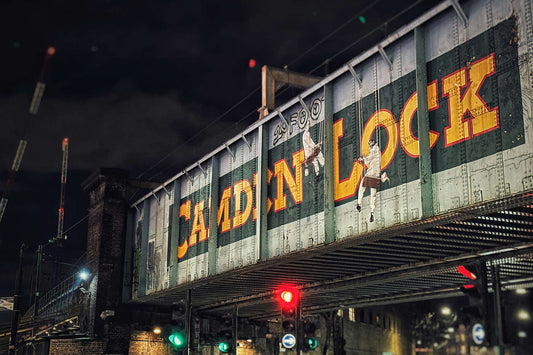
[360, 39]
[200, 131]
[332, 33]
[356, 16]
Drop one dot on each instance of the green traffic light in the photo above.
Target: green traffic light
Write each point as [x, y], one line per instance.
[224, 347]
[176, 339]
[311, 343]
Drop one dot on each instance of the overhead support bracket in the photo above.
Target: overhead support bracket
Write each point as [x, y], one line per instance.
[165, 188]
[354, 74]
[460, 12]
[285, 120]
[203, 170]
[229, 150]
[188, 176]
[151, 185]
[137, 208]
[243, 137]
[385, 56]
[272, 79]
[157, 198]
[308, 113]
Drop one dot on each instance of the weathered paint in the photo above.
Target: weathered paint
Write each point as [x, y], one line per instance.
[478, 108]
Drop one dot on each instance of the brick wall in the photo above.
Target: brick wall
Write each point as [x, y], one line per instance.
[147, 343]
[105, 242]
[76, 347]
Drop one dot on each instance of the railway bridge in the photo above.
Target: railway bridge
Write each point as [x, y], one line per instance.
[368, 195]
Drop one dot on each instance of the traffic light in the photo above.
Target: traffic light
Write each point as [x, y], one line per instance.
[476, 289]
[177, 332]
[309, 341]
[289, 299]
[227, 337]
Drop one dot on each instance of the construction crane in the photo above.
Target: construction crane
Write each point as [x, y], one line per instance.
[64, 166]
[34, 107]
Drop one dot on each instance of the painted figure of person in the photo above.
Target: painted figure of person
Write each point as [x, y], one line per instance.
[312, 152]
[372, 177]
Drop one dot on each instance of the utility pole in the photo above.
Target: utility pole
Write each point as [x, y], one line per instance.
[37, 279]
[16, 304]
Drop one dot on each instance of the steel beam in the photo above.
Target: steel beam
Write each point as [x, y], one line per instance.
[424, 161]
[329, 188]
[262, 195]
[212, 243]
[174, 227]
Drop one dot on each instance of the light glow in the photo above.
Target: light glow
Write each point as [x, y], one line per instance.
[467, 273]
[446, 311]
[84, 275]
[520, 291]
[287, 296]
[523, 315]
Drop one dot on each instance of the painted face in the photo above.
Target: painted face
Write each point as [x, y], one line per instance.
[371, 143]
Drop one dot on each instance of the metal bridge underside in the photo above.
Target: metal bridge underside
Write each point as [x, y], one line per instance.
[411, 262]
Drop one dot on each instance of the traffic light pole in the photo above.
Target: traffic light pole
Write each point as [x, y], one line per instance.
[298, 329]
[188, 320]
[235, 326]
[497, 305]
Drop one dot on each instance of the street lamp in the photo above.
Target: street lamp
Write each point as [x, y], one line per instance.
[84, 274]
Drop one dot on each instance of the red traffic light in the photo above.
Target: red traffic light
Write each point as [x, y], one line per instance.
[251, 63]
[288, 296]
[51, 51]
[467, 273]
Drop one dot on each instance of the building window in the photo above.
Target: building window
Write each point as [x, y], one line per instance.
[351, 314]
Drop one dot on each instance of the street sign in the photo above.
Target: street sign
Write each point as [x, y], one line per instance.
[478, 333]
[288, 341]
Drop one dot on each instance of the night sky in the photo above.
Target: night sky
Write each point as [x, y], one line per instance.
[150, 87]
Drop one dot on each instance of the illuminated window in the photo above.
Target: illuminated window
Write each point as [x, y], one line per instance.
[351, 314]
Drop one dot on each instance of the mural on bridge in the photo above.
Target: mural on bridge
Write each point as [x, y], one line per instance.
[480, 145]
